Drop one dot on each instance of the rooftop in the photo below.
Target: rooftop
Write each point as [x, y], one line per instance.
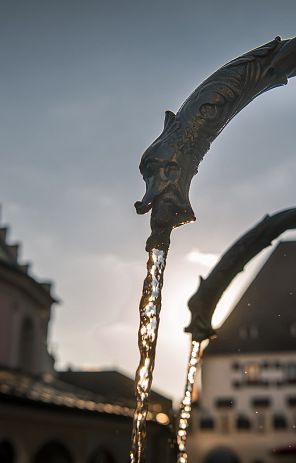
[114, 386]
[51, 391]
[264, 319]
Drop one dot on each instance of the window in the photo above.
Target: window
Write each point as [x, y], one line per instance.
[221, 454]
[243, 422]
[261, 402]
[225, 402]
[291, 373]
[26, 345]
[279, 421]
[265, 364]
[236, 366]
[206, 423]
[252, 372]
[291, 401]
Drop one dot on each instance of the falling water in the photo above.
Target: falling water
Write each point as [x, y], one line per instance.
[185, 408]
[150, 306]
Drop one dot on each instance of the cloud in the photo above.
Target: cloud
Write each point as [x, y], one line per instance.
[205, 259]
[77, 111]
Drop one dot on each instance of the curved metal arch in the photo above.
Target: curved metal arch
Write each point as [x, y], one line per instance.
[170, 162]
[203, 303]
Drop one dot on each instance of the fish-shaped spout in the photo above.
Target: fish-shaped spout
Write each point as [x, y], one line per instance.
[171, 161]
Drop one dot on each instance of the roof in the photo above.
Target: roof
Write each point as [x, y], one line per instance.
[18, 274]
[50, 391]
[264, 319]
[114, 386]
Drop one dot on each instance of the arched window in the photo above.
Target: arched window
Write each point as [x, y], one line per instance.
[7, 453]
[101, 456]
[221, 455]
[53, 452]
[26, 346]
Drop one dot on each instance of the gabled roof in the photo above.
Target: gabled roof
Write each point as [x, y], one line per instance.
[114, 386]
[261, 321]
[15, 385]
[22, 389]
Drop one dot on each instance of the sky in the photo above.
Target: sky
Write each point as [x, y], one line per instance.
[84, 87]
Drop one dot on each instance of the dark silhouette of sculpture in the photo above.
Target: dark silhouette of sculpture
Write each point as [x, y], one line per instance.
[168, 166]
[203, 303]
[171, 161]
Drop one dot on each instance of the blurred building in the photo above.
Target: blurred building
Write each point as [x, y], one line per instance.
[247, 407]
[60, 417]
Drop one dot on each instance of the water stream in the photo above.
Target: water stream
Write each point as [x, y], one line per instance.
[150, 306]
[186, 404]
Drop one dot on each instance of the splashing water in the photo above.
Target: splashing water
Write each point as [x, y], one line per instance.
[186, 404]
[150, 306]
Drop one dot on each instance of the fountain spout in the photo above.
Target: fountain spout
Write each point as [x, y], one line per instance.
[170, 162]
[168, 166]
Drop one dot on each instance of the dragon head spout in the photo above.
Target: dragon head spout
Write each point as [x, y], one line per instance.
[284, 59]
[167, 172]
[171, 161]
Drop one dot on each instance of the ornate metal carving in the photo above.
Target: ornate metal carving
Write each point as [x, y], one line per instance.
[203, 303]
[171, 161]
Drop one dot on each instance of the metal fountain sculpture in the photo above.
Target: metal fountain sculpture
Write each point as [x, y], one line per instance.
[168, 166]
[203, 303]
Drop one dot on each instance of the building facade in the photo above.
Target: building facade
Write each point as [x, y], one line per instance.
[247, 407]
[25, 313]
[60, 417]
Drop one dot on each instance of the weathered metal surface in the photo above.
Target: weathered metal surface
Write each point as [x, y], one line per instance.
[171, 161]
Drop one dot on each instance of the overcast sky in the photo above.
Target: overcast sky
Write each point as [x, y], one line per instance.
[84, 88]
